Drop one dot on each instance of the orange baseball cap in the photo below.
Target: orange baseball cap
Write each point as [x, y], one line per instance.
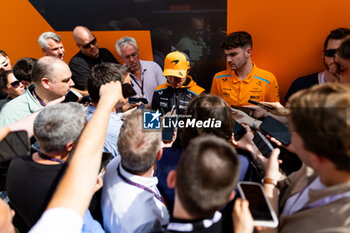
[176, 64]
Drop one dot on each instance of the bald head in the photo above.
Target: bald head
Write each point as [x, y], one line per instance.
[45, 67]
[80, 33]
[53, 77]
[86, 41]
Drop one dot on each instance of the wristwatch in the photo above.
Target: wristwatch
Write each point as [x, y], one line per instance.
[274, 182]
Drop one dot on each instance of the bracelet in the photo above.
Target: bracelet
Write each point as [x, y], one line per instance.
[274, 182]
[254, 124]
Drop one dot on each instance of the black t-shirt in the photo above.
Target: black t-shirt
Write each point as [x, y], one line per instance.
[302, 83]
[81, 64]
[30, 186]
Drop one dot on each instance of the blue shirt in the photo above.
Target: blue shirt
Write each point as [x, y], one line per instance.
[113, 130]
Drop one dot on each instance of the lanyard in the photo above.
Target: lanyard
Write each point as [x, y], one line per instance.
[137, 83]
[319, 202]
[160, 198]
[326, 200]
[40, 100]
[43, 156]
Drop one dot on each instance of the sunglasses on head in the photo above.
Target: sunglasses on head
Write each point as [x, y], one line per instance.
[93, 42]
[15, 84]
[330, 52]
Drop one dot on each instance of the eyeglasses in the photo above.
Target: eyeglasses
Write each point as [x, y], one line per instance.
[15, 84]
[330, 52]
[93, 42]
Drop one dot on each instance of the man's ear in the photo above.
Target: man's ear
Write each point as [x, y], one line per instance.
[159, 153]
[248, 51]
[44, 51]
[25, 83]
[232, 195]
[4, 90]
[171, 179]
[45, 82]
[317, 161]
[77, 45]
[69, 146]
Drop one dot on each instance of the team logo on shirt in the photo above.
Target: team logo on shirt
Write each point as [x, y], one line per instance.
[151, 120]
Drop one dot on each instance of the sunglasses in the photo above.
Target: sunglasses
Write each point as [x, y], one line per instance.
[330, 52]
[93, 42]
[15, 84]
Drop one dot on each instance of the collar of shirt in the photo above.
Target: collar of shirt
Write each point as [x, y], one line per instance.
[91, 109]
[247, 79]
[188, 226]
[143, 69]
[149, 182]
[315, 194]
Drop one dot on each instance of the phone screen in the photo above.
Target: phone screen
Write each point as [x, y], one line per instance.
[106, 158]
[168, 129]
[258, 204]
[133, 100]
[276, 129]
[238, 131]
[263, 144]
[128, 90]
[70, 97]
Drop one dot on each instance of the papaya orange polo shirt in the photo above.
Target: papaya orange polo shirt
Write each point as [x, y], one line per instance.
[259, 85]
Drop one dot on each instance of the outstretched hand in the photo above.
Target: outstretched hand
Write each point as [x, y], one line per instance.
[242, 117]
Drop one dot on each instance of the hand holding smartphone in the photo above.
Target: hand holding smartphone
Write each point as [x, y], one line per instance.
[169, 120]
[261, 104]
[259, 205]
[263, 144]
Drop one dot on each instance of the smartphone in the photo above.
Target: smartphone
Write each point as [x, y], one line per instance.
[128, 90]
[71, 97]
[134, 100]
[85, 99]
[259, 205]
[238, 131]
[276, 129]
[141, 107]
[261, 104]
[169, 126]
[15, 144]
[263, 144]
[106, 158]
[244, 109]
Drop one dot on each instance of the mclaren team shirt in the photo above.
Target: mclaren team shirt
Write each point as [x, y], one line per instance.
[259, 85]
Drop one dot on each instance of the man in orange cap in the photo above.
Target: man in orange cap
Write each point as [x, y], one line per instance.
[179, 88]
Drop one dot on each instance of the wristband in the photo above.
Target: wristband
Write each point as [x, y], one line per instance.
[254, 124]
[274, 182]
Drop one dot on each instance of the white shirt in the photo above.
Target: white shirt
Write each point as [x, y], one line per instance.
[58, 220]
[151, 76]
[127, 208]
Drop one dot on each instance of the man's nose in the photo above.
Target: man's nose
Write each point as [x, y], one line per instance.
[71, 83]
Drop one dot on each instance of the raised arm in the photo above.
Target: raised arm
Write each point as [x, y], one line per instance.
[77, 186]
